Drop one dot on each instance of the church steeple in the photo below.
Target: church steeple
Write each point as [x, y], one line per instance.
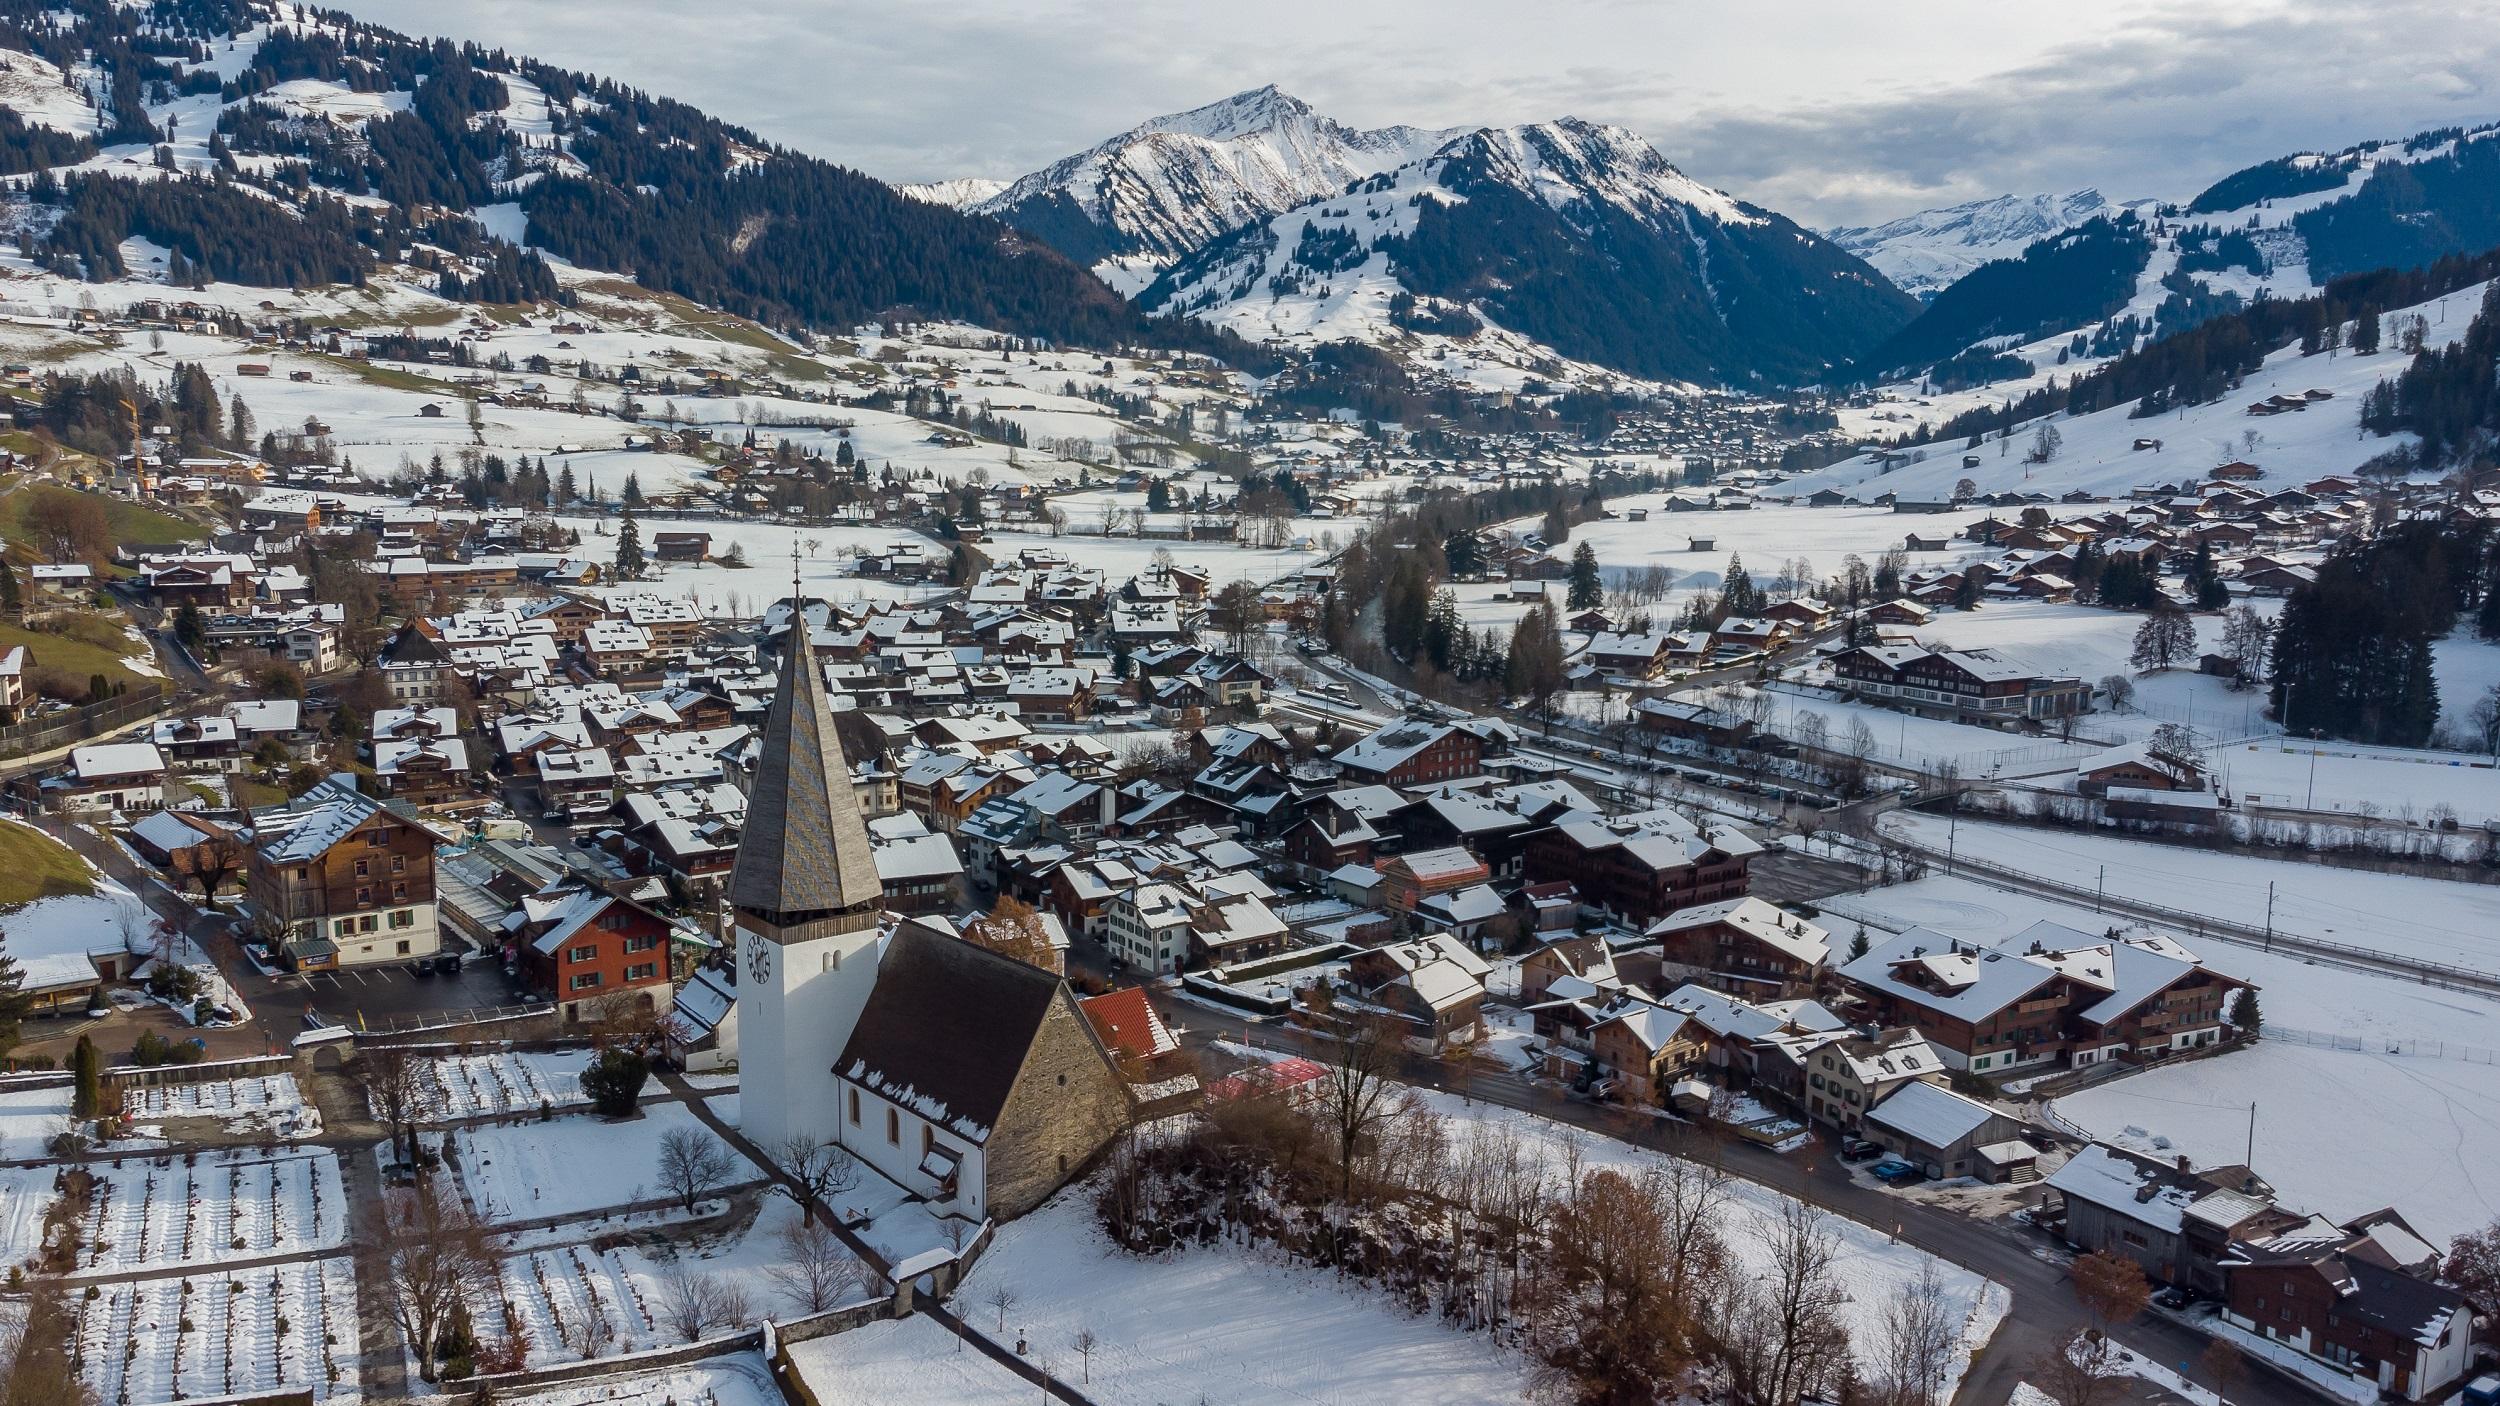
[803, 854]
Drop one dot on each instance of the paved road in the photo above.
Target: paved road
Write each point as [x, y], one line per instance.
[2030, 1266]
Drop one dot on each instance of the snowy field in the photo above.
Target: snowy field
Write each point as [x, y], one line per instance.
[29, 1118]
[2413, 1129]
[1904, 739]
[1231, 1325]
[1220, 1324]
[2091, 644]
[2387, 783]
[914, 1362]
[504, 1082]
[2429, 920]
[2438, 1121]
[161, 1214]
[1765, 536]
[267, 1103]
[571, 1165]
[289, 1327]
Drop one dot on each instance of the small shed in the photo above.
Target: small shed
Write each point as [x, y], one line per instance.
[1942, 1132]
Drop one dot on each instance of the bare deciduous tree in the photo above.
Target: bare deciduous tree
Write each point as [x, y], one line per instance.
[1915, 1342]
[816, 1273]
[1789, 1341]
[395, 1086]
[435, 1255]
[692, 1162]
[823, 1169]
[1361, 1095]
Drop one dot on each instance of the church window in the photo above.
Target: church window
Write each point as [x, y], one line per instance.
[854, 1108]
[893, 1127]
[832, 962]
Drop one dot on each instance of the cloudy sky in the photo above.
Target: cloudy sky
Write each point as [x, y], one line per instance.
[1833, 111]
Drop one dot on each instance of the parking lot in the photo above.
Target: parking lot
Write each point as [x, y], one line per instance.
[390, 992]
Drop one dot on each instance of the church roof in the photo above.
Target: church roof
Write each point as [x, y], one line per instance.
[946, 1029]
[804, 849]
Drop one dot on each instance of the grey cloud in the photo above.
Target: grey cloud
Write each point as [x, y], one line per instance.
[2163, 97]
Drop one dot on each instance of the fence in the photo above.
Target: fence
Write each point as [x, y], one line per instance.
[2375, 1044]
[248, 1067]
[80, 723]
[2341, 954]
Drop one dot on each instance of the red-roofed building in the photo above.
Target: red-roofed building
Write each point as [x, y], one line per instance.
[1128, 1025]
[1288, 1075]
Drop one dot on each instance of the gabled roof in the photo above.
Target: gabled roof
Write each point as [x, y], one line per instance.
[946, 1029]
[1128, 1025]
[1930, 1114]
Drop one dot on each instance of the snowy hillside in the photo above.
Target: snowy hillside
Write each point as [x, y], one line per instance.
[2282, 227]
[1167, 186]
[1928, 251]
[44, 96]
[2098, 453]
[1571, 234]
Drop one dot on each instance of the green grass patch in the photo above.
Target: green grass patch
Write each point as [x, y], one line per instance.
[389, 376]
[252, 795]
[79, 644]
[34, 865]
[133, 524]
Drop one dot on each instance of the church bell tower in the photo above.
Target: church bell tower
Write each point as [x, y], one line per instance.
[807, 902]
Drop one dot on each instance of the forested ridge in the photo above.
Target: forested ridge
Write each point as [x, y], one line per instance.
[646, 186]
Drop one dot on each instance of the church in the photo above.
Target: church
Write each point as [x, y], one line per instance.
[963, 1075]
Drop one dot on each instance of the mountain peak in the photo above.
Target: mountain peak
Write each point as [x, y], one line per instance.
[1252, 111]
[1167, 186]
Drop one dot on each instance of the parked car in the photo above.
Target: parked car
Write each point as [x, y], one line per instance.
[1899, 1174]
[2174, 1297]
[447, 962]
[1858, 1149]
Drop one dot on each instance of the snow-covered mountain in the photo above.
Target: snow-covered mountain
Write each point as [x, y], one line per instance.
[1573, 235]
[961, 193]
[1926, 252]
[1164, 188]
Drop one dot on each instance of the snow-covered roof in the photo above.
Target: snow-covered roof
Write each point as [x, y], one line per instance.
[1930, 1114]
[1785, 932]
[2103, 1177]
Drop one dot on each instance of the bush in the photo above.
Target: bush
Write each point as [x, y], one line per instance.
[614, 1081]
[152, 1050]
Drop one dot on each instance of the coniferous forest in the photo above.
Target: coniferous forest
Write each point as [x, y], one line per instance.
[688, 204]
[2352, 652]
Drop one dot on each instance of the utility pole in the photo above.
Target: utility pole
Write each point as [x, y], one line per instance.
[2251, 1162]
[2312, 803]
[2100, 886]
[2269, 915]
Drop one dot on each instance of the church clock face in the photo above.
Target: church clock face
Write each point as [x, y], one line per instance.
[760, 961]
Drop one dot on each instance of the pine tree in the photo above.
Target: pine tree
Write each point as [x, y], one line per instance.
[1445, 635]
[10, 600]
[87, 1080]
[633, 491]
[1588, 585]
[629, 559]
[566, 491]
[2245, 1012]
